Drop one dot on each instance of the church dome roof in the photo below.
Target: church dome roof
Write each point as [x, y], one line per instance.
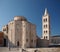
[21, 18]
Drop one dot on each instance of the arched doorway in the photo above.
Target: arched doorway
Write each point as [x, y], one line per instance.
[17, 43]
[4, 42]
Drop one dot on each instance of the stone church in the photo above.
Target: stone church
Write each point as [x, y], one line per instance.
[21, 33]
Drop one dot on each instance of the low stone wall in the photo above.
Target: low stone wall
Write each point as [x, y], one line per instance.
[43, 50]
[5, 49]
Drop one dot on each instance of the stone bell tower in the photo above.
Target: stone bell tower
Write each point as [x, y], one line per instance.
[46, 25]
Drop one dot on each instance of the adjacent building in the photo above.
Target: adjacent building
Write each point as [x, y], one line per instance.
[5, 36]
[55, 40]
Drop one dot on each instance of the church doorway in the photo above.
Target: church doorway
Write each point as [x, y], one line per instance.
[17, 43]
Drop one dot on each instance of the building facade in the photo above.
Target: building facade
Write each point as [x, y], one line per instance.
[21, 33]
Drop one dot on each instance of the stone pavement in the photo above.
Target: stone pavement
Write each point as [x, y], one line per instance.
[6, 49]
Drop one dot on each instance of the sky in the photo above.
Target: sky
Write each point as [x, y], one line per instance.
[33, 10]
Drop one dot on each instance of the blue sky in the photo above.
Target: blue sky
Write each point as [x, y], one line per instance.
[33, 10]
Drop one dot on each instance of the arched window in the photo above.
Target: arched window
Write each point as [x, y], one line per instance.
[44, 37]
[46, 19]
[46, 31]
[46, 25]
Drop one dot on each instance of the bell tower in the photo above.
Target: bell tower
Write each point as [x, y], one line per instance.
[46, 25]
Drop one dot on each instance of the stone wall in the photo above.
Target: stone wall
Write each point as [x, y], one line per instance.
[44, 50]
